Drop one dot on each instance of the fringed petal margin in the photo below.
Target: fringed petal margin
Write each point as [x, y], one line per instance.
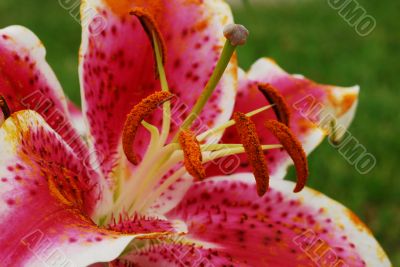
[175, 255]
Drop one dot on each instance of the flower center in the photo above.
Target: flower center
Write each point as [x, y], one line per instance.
[166, 162]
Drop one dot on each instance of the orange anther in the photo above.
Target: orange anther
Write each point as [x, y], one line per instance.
[293, 146]
[136, 116]
[248, 135]
[274, 97]
[150, 26]
[192, 152]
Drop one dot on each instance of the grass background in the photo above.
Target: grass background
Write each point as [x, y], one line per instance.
[306, 37]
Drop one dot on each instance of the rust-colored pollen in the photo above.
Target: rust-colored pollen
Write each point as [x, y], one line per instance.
[248, 135]
[192, 152]
[280, 107]
[293, 146]
[136, 116]
[4, 107]
[150, 25]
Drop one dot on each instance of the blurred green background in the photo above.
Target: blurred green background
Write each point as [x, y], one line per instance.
[307, 37]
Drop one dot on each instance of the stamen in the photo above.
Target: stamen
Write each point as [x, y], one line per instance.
[136, 116]
[293, 146]
[281, 107]
[150, 26]
[230, 123]
[217, 147]
[154, 138]
[235, 150]
[206, 158]
[159, 47]
[4, 108]
[248, 135]
[192, 153]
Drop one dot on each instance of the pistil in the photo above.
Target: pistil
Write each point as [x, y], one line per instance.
[236, 35]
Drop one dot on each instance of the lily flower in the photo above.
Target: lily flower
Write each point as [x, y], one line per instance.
[124, 181]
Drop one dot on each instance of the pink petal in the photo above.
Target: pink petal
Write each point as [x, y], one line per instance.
[279, 229]
[27, 82]
[65, 238]
[302, 96]
[117, 65]
[46, 195]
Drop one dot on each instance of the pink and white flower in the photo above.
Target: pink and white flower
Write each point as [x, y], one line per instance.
[69, 195]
